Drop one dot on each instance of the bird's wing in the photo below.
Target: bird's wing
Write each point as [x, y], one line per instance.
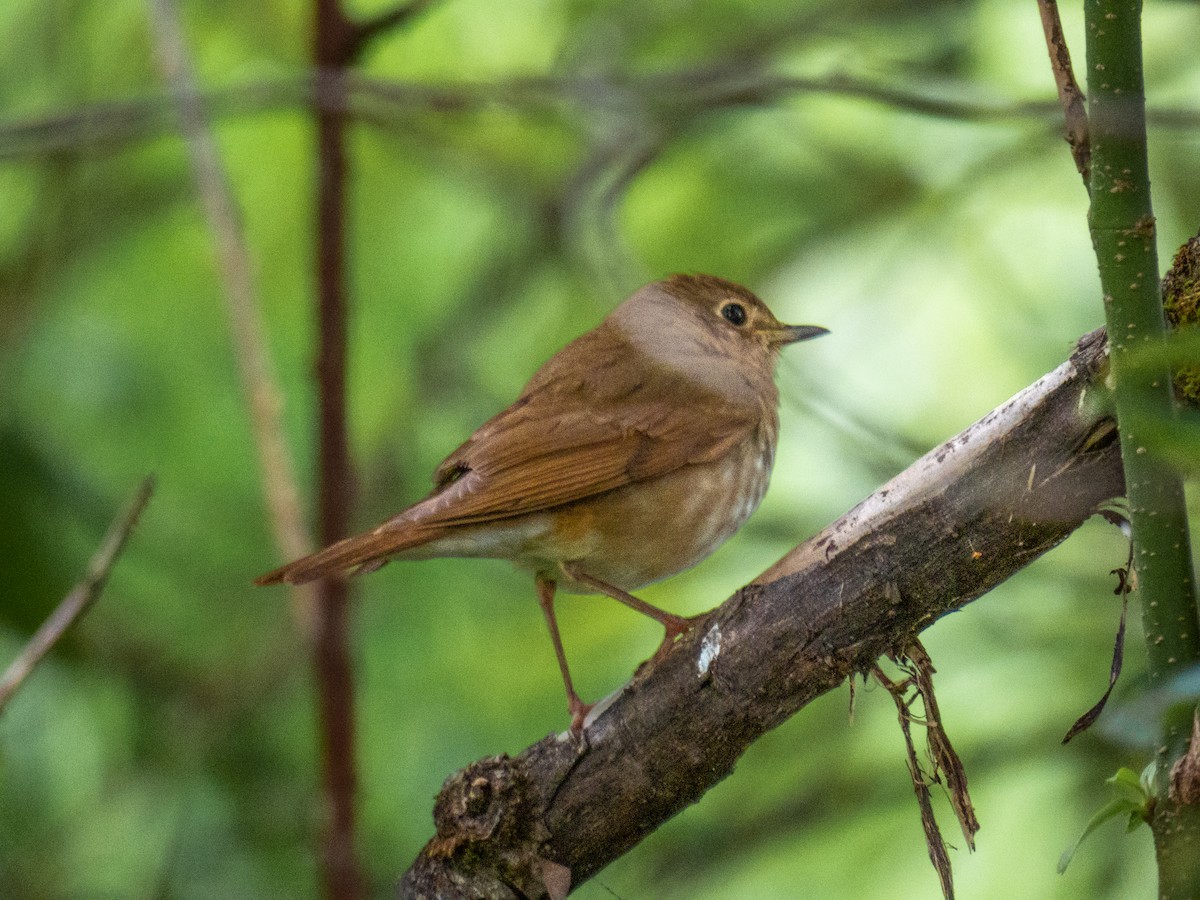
[549, 449]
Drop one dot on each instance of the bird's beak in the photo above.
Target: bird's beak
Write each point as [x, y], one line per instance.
[790, 334]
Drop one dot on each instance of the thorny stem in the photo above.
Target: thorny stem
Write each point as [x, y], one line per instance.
[1123, 234]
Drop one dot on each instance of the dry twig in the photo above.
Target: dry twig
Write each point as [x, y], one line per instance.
[946, 767]
[241, 296]
[921, 780]
[81, 597]
[1069, 95]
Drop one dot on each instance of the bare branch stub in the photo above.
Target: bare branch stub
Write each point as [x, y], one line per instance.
[962, 519]
[1185, 774]
[363, 33]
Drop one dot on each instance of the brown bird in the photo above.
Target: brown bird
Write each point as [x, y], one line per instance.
[630, 456]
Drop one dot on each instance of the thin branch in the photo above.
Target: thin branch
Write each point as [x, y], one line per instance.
[81, 597]
[963, 518]
[1069, 95]
[241, 299]
[114, 124]
[341, 871]
[322, 611]
[366, 31]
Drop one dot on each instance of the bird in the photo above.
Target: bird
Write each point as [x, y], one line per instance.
[629, 456]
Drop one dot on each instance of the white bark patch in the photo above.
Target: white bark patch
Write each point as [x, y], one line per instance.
[710, 649]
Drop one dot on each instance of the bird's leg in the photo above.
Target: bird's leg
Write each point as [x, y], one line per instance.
[673, 625]
[577, 708]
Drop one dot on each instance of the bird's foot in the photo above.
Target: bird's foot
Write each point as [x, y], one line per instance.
[579, 712]
[676, 627]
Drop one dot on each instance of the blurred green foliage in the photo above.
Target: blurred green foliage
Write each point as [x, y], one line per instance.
[167, 748]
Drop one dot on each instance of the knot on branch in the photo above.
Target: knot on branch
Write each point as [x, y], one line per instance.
[489, 823]
[483, 802]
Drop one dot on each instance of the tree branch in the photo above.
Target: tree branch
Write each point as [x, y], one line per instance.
[959, 521]
[113, 124]
[1069, 95]
[81, 597]
[248, 334]
[364, 32]
[340, 869]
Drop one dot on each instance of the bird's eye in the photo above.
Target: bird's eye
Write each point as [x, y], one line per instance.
[734, 313]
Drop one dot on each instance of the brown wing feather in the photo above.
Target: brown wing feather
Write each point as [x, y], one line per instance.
[363, 552]
[538, 464]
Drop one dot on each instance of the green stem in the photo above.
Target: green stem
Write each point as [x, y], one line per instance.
[1123, 234]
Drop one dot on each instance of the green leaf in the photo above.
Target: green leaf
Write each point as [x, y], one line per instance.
[1131, 798]
[1128, 786]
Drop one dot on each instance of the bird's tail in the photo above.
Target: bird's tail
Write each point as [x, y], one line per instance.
[361, 553]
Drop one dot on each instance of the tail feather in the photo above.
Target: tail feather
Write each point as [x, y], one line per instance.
[362, 553]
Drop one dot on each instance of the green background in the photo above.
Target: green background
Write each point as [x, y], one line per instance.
[167, 747]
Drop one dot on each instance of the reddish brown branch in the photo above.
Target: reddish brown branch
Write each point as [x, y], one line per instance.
[340, 870]
[337, 41]
[362, 33]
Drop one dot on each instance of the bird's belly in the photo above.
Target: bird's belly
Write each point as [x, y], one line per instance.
[652, 529]
[502, 539]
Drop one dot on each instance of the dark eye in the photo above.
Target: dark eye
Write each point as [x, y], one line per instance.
[734, 313]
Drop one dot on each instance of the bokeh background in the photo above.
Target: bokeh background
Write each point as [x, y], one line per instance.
[167, 747]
